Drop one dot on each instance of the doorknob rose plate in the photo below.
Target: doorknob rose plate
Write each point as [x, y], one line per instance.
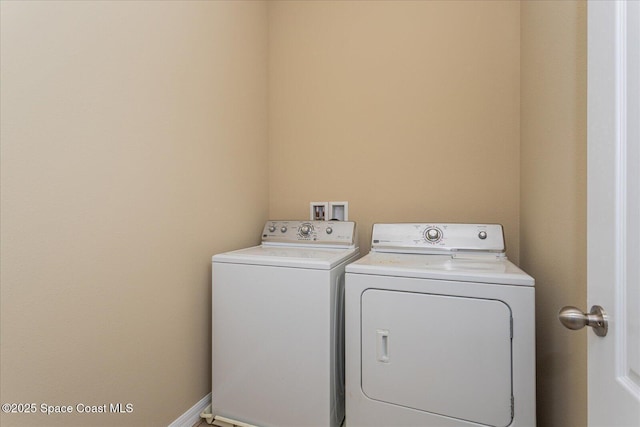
[573, 318]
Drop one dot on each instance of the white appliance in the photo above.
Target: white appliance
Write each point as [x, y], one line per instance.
[439, 330]
[278, 322]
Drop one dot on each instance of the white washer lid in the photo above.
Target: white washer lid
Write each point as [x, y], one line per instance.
[282, 256]
[481, 269]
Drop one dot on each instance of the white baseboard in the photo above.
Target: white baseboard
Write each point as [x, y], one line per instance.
[192, 416]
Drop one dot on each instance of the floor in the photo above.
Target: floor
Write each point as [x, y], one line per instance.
[203, 423]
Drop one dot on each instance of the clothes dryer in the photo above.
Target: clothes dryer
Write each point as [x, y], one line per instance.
[439, 330]
[278, 322]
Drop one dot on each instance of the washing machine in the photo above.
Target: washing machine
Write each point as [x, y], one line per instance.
[278, 326]
[439, 330]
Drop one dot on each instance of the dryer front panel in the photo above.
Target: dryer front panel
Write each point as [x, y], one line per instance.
[446, 355]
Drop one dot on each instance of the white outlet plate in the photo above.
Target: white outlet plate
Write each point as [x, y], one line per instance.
[318, 211]
[339, 211]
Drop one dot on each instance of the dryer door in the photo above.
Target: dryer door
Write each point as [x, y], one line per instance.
[440, 354]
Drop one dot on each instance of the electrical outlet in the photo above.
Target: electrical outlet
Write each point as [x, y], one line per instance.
[339, 211]
[318, 211]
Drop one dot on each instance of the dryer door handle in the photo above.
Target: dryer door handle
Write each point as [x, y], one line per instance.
[382, 345]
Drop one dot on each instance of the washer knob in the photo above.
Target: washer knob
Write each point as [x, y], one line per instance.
[305, 230]
[482, 235]
[284, 229]
[272, 228]
[433, 234]
[329, 230]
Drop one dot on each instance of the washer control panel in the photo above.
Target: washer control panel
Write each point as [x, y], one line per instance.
[325, 233]
[438, 238]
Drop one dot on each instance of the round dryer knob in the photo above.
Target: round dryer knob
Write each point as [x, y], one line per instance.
[433, 234]
[329, 230]
[284, 229]
[482, 235]
[305, 230]
[272, 228]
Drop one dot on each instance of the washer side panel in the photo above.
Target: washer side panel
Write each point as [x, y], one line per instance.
[271, 345]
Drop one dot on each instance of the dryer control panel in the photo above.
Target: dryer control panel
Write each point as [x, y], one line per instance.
[321, 233]
[435, 238]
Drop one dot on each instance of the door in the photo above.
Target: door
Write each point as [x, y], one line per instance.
[613, 212]
[451, 355]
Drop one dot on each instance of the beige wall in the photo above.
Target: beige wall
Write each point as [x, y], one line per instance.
[408, 110]
[553, 197]
[134, 139]
[411, 112]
